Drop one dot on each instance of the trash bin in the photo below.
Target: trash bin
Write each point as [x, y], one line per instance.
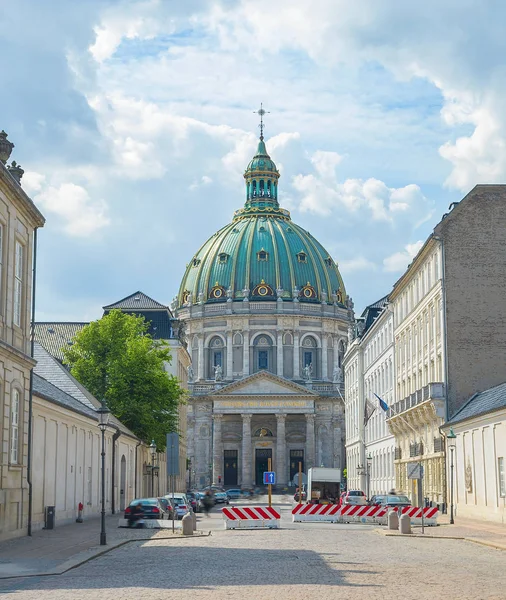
[49, 517]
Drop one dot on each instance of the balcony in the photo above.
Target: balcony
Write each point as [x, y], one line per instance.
[432, 391]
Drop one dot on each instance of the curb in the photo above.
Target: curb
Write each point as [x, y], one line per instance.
[72, 564]
[487, 543]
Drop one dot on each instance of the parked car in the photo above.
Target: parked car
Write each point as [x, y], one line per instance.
[181, 504]
[152, 508]
[377, 499]
[194, 503]
[221, 498]
[395, 501]
[167, 506]
[234, 494]
[356, 497]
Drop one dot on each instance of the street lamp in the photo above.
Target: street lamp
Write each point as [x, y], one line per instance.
[452, 440]
[103, 414]
[152, 447]
[368, 474]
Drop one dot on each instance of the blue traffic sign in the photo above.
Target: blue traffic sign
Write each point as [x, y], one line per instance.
[269, 477]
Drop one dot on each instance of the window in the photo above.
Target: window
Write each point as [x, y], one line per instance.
[302, 257]
[18, 284]
[502, 478]
[1, 252]
[14, 427]
[263, 359]
[308, 359]
[262, 255]
[217, 359]
[222, 257]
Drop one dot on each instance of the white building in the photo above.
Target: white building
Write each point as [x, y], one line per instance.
[369, 368]
[479, 457]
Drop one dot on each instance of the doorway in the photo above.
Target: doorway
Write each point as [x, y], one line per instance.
[122, 483]
[262, 456]
[296, 456]
[230, 471]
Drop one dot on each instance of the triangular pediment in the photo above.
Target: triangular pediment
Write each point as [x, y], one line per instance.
[264, 383]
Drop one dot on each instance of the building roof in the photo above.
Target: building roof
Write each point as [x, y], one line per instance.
[48, 391]
[262, 254]
[371, 312]
[52, 371]
[482, 403]
[137, 302]
[55, 336]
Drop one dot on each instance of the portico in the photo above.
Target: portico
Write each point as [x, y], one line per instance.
[263, 416]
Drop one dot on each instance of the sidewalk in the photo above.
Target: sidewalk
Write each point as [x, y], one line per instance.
[487, 533]
[52, 552]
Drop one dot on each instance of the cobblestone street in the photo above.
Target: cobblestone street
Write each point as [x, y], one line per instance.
[298, 561]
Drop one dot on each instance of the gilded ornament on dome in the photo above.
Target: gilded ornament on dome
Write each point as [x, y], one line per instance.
[263, 290]
[308, 291]
[218, 292]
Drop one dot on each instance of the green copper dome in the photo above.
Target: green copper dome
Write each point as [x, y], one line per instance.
[262, 254]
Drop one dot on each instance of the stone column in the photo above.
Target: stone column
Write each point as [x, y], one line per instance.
[281, 474]
[296, 357]
[245, 358]
[280, 354]
[246, 460]
[230, 365]
[310, 442]
[217, 449]
[200, 368]
[325, 354]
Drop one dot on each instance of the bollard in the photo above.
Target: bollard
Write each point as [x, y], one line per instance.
[194, 519]
[393, 520]
[187, 522]
[405, 524]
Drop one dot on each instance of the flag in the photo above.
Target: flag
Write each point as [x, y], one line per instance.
[368, 411]
[383, 404]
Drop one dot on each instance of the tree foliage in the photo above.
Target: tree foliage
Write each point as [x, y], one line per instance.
[118, 361]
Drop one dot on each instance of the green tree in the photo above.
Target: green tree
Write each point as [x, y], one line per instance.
[118, 361]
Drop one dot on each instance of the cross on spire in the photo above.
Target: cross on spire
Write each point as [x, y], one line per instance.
[261, 112]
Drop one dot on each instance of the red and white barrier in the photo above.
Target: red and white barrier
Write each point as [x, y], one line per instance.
[430, 515]
[249, 517]
[315, 512]
[351, 513]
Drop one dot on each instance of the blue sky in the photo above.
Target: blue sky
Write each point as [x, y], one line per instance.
[134, 121]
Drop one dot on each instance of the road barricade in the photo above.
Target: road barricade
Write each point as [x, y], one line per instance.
[250, 517]
[430, 515]
[351, 513]
[315, 512]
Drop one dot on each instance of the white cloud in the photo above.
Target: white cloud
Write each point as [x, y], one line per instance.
[400, 260]
[359, 263]
[204, 180]
[81, 216]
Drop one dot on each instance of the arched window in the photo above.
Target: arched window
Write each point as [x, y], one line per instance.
[309, 355]
[262, 354]
[14, 423]
[216, 356]
[263, 432]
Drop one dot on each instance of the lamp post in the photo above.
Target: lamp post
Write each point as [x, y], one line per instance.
[104, 414]
[152, 447]
[368, 475]
[452, 440]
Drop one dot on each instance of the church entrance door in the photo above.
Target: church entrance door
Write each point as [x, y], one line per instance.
[230, 462]
[262, 456]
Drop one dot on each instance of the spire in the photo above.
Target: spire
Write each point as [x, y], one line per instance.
[261, 111]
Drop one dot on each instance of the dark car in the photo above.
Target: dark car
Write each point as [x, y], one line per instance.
[377, 499]
[395, 501]
[167, 506]
[152, 508]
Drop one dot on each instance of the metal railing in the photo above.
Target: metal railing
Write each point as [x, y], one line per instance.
[433, 391]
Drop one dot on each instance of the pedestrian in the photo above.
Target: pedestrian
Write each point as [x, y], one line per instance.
[136, 516]
[208, 502]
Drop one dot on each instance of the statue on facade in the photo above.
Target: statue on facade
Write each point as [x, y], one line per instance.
[279, 293]
[351, 333]
[230, 294]
[324, 296]
[307, 372]
[295, 294]
[337, 375]
[200, 297]
[173, 304]
[189, 370]
[334, 298]
[245, 294]
[218, 373]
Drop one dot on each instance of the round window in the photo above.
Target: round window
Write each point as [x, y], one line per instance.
[218, 293]
[263, 291]
[307, 293]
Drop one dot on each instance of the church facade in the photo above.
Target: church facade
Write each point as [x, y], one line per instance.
[266, 317]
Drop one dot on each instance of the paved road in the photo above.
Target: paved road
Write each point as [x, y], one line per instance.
[307, 561]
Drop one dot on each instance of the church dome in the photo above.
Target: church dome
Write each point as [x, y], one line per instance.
[262, 254]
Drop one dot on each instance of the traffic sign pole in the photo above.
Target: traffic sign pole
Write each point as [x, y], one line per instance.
[269, 487]
[300, 482]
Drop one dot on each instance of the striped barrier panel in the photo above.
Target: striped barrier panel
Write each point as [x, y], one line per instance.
[315, 512]
[250, 517]
[362, 514]
[430, 515]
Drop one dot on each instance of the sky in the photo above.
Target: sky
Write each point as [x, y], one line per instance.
[134, 121]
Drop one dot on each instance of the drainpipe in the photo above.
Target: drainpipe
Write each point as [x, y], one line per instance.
[113, 468]
[30, 394]
[445, 333]
[135, 485]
